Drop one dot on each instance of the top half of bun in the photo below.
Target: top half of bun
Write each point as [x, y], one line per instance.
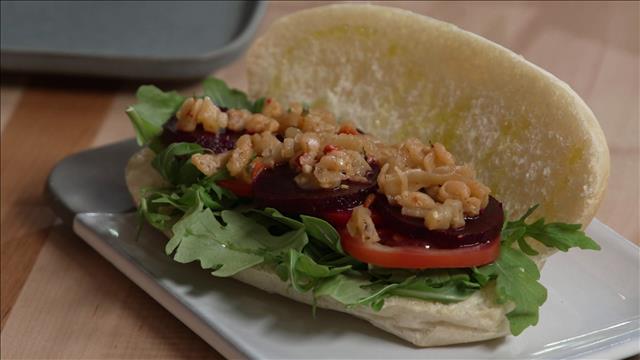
[397, 74]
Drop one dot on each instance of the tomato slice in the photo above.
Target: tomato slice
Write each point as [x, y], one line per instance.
[414, 257]
[237, 187]
[340, 218]
[258, 167]
[240, 187]
[337, 218]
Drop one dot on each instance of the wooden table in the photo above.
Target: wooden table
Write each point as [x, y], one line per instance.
[61, 299]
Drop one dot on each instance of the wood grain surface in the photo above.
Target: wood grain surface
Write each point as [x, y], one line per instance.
[60, 299]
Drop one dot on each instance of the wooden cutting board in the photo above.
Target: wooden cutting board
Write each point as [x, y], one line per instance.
[60, 299]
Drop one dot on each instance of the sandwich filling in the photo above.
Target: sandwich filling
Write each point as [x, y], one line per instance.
[301, 160]
[422, 180]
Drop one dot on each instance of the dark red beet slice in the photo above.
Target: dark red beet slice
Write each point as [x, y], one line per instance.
[218, 143]
[412, 232]
[276, 188]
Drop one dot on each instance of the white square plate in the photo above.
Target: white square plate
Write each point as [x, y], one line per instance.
[592, 309]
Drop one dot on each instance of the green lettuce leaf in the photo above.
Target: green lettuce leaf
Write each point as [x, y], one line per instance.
[517, 278]
[348, 290]
[304, 273]
[352, 290]
[228, 244]
[306, 253]
[174, 163]
[164, 207]
[451, 291]
[153, 109]
[161, 218]
[324, 241]
[229, 98]
[442, 285]
[323, 232]
[561, 236]
[258, 105]
[277, 216]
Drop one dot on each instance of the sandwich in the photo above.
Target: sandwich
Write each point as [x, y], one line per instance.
[383, 164]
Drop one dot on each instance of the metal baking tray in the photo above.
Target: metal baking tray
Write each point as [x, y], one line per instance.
[161, 40]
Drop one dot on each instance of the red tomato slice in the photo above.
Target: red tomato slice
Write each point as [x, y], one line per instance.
[258, 167]
[237, 187]
[413, 257]
[337, 218]
[340, 218]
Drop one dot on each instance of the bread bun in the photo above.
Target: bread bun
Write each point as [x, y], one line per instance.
[399, 74]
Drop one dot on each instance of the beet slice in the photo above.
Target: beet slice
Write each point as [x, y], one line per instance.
[276, 188]
[217, 142]
[412, 232]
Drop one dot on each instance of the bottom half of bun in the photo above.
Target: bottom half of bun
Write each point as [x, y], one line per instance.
[423, 323]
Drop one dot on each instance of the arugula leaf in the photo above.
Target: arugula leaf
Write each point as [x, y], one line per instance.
[444, 286]
[155, 106]
[449, 292]
[305, 274]
[561, 236]
[323, 231]
[322, 255]
[379, 292]
[318, 230]
[258, 105]
[517, 276]
[156, 145]
[557, 235]
[224, 96]
[153, 109]
[306, 265]
[194, 196]
[277, 216]
[324, 246]
[229, 245]
[155, 215]
[347, 290]
[513, 230]
[482, 275]
[236, 241]
[198, 237]
[163, 207]
[350, 290]
[174, 164]
[517, 281]
[224, 196]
